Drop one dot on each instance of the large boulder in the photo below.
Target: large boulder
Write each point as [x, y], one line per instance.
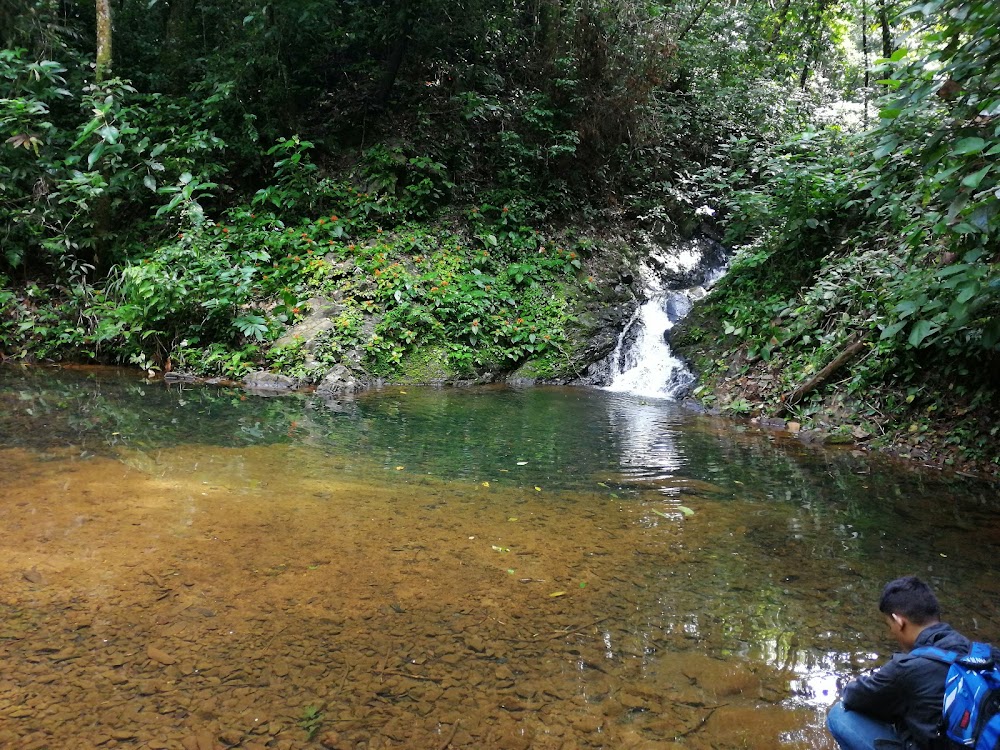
[320, 318]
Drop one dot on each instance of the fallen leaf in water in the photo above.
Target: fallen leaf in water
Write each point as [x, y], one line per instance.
[682, 508]
[501, 549]
[33, 576]
[522, 463]
[554, 594]
[538, 489]
[602, 484]
[512, 518]
[159, 656]
[400, 468]
[486, 484]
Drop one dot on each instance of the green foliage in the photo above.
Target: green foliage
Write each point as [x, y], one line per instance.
[311, 720]
[423, 289]
[934, 178]
[193, 289]
[72, 161]
[293, 181]
[45, 323]
[417, 185]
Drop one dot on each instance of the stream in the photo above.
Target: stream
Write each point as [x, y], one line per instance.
[493, 567]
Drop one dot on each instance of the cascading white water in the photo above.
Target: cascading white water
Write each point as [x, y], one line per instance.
[648, 367]
[643, 362]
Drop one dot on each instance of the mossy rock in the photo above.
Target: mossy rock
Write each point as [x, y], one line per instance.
[427, 365]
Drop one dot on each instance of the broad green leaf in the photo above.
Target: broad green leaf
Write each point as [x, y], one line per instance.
[150, 182]
[991, 334]
[953, 269]
[920, 331]
[891, 330]
[886, 147]
[945, 174]
[95, 154]
[109, 133]
[967, 293]
[89, 130]
[972, 145]
[973, 180]
[964, 228]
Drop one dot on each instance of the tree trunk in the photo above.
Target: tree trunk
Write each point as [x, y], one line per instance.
[103, 69]
[849, 353]
[396, 55]
[776, 31]
[697, 17]
[814, 35]
[864, 52]
[883, 19]
[864, 46]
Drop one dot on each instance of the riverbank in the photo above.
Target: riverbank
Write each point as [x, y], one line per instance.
[339, 304]
[843, 385]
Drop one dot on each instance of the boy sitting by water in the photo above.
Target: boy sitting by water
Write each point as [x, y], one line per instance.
[900, 704]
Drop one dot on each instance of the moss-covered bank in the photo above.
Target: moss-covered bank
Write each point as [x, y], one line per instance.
[360, 294]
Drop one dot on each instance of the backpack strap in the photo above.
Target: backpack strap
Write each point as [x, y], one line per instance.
[937, 654]
[979, 657]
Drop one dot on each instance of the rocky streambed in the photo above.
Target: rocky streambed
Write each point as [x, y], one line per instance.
[199, 598]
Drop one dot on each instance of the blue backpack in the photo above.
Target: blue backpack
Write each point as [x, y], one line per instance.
[971, 712]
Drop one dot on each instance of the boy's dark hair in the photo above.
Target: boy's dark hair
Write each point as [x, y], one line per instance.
[912, 598]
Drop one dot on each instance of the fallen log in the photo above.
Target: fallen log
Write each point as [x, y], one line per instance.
[823, 375]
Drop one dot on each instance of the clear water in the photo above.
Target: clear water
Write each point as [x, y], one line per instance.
[413, 567]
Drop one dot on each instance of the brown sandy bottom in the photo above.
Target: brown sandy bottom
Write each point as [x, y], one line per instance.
[205, 598]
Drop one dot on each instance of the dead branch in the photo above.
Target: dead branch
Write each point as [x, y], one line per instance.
[823, 375]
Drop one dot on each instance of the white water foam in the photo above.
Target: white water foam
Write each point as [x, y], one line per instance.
[648, 367]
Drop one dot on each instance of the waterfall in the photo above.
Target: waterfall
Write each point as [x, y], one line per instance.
[643, 362]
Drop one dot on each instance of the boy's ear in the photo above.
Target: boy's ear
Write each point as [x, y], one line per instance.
[900, 621]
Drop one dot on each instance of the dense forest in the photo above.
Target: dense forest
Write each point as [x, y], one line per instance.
[457, 185]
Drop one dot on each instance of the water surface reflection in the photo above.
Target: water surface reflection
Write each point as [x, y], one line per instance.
[489, 568]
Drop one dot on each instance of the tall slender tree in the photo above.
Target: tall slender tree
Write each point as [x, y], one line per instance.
[103, 70]
[884, 14]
